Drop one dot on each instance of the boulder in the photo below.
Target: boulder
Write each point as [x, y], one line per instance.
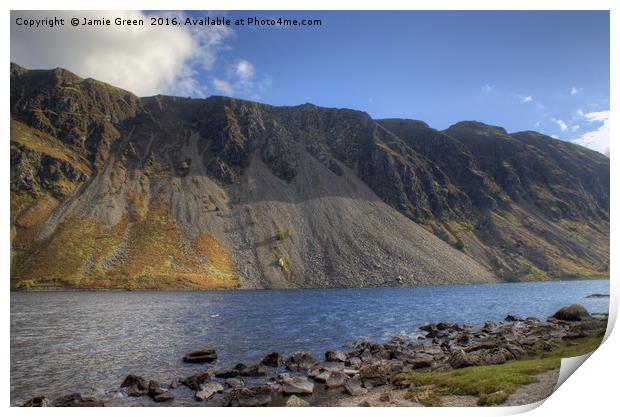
[240, 367]
[334, 356]
[375, 373]
[295, 401]
[250, 397]
[459, 359]
[353, 361]
[297, 385]
[195, 381]
[208, 390]
[321, 377]
[76, 400]
[421, 360]
[493, 356]
[510, 317]
[226, 373]
[135, 386]
[336, 379]
[488, 327]
[354, 387]
[274, 359]
[386, 397]
[155, 389]
[41, 401]
[201, 356]
[428, 327]
[331, 366]
[300, 361]
[235, 382]
[254, 370]
[163, 397]
[574, 312]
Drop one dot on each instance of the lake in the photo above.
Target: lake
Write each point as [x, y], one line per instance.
[68, 341]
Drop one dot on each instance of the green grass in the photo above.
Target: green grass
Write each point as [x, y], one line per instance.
[493, 384]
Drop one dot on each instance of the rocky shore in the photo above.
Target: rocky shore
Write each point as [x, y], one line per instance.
[368, 375]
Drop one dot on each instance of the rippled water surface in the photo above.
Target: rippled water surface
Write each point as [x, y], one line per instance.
[62, 342]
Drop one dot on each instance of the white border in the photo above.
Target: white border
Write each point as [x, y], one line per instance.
[591, 391]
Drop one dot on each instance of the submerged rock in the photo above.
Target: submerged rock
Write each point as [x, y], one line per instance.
[76, 400]
[254, 370]
[201, 356]
[226, 373]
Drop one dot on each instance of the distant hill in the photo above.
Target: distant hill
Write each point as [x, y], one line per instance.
[109, 190]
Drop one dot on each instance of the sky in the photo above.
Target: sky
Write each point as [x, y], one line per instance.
[545, 71]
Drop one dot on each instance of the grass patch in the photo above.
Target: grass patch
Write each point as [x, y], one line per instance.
[493, 384]
[282, 234]
[282, 262]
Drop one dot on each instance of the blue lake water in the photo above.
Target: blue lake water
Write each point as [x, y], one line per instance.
[63, 342]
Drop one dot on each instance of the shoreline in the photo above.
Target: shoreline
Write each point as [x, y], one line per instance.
[173, 290]
[396, 372]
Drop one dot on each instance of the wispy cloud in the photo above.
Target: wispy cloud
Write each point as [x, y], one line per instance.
[599, 138]
[575, 90]
[525, 99]
[223, 87]
[487, 88]
[561, 123]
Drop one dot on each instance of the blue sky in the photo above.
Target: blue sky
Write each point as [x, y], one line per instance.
[546, 71]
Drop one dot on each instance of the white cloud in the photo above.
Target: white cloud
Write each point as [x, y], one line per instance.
[580, 113]
[223, 86]
[244, 70]
[561, 124]
[575, 128]
[575, 90]
[525, 99]
[598, 139]
[145, 60]
[240, 81]
[487, 88]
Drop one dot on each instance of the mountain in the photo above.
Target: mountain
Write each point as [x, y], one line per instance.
[109, 190]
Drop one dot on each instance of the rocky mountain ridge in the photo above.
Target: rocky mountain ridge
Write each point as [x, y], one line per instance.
[110, 190]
